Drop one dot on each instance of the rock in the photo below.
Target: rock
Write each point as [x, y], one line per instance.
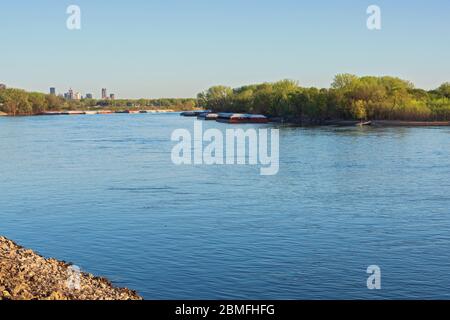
[6, 295]
[24, 275]
[56, 296]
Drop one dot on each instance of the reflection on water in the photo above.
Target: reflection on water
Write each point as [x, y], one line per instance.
[101, 191]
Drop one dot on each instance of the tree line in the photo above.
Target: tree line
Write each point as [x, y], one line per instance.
[349, 98]
[20, 102]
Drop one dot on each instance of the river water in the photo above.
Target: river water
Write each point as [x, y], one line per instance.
[103, 193]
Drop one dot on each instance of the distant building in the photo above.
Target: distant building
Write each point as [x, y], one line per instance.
[2, 86]
[89, 96]
[71, 95]
[104, 94]
[53, 91]
[112, 96]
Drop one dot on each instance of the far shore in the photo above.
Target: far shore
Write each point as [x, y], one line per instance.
[394, 123]
[88, 112]
[335, 122]
[389, 123]
[103, 111]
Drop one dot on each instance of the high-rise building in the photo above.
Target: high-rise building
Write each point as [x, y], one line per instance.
[70, 94]
[112, 96]
[104, 94]
[89, 96]
[53, 91]
[2, 86]
[77, 96]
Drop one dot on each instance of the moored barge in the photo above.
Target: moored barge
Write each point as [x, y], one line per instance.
[235, 118]
[194, 113]
[211, 116]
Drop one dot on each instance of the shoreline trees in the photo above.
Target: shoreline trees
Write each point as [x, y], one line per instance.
[19, 102]
[349, 98]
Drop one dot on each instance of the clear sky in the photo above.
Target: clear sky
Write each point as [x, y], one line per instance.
[177, 48]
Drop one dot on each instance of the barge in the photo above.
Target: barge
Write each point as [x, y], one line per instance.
[211, 117]
[194, 113]
[235, 118]
[51, 113]
[203, 115]
[73, 113]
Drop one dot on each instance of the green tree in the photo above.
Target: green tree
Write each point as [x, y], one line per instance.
[38, 102]
[444, 90]
[219, 98]
[15, 101]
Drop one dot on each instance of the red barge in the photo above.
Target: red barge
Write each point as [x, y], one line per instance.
[235, 118]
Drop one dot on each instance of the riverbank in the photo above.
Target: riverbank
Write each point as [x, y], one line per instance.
[390, 123]
[87, 112]
[101, 111]
[386, 123]
[25, 275]
[394, 123]
[295, 122]
[356, 123]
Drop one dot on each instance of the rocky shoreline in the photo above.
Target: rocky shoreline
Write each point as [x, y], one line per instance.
[25, 275]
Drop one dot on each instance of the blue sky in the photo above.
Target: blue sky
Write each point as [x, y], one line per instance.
[176, 48]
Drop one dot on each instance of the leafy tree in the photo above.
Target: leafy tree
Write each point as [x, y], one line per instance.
[219, 97]
[38, 102]
[15, 101]
[444, 90]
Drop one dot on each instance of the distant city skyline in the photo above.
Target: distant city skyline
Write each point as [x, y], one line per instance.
[154, 49]
[75, 95]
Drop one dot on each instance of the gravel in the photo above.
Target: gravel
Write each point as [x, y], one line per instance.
[24, 275]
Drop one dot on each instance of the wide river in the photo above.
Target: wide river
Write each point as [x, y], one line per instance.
[103, 193]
